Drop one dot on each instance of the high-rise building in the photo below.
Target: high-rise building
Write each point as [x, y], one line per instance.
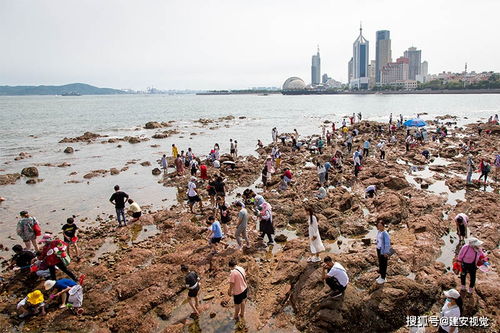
[424, 68]
[383, 51]
[350, 71]
[316, 69]
[394, 72]
[415, 62]
[360, 58]
[371, 73]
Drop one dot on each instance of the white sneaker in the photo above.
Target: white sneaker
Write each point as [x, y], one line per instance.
[315, 259]
[310, 259]
[380, 280]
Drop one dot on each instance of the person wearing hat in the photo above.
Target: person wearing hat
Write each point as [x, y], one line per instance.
[63, 286]
[451, 310]
[26, 230]
[468, 256]
[461, 221]
[51, 252]
[33, 303]
[193, 196]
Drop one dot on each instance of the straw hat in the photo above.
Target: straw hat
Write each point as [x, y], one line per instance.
[452, 293]
[49, 284]
[35, 297]
[475, 242]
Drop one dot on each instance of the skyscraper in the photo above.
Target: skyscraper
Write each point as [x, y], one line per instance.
[383, 52]
[316, 69]
[424, 68]
[349, 70]
[415, 62]
[360, 58]
[394, 72]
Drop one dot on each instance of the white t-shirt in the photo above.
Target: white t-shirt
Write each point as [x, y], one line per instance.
[338, 272]
[216, 164]
[452, 314]
[134, 207]
[191, 189]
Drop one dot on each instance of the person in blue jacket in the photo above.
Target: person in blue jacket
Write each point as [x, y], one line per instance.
[383, 250]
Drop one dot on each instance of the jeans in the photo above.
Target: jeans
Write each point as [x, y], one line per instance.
[469, 177]
[366, 151]
[382, 264]
[63, 268]
[471, 269]
[120, 212]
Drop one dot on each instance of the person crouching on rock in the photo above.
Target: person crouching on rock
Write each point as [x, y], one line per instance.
[370, 191]
[461, 221]
[33, 303]
[71, 293]
[134, 209]
[193, 285]
[335, 276]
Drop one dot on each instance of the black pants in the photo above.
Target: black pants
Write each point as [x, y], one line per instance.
[365, 151]
[471, 269]
[382, 264]
[407, 145]
[63, 268]
[349, 147]
[382, 154]
[326, 176]
[334, 284]
[485, 175]
[356, 169]
[269, 236]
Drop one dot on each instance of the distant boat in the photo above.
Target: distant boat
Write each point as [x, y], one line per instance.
[73, 93]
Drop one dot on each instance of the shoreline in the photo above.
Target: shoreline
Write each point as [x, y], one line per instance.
[134, 273]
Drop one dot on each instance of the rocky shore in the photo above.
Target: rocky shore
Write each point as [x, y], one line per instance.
[133, 282]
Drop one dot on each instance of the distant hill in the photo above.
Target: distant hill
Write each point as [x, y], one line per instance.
[79, 88]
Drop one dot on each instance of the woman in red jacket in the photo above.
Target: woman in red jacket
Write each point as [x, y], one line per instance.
[52, 252]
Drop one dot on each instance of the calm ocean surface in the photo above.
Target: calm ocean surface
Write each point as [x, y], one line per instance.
[35, 124]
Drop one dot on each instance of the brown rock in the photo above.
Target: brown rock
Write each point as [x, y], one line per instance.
[114, 171]
[10, 178]
[30, 172]
[69, 150]
[156, 171]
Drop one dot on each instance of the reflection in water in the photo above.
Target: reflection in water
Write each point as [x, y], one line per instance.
[450, 249]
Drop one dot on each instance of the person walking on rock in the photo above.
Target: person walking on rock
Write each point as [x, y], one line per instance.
[470, 169]
[315, 243]
[164, 163]
[468, 256]
[461, 221]
[27, 229]
[118, 199]
[266, 223]
[193, 196]
[53, 252]
[238, 288]
[383, 251]
[335, 276]
[241, 228]
[450, 312]
[192, 281]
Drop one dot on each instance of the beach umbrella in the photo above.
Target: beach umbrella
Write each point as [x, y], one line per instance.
[415, 122]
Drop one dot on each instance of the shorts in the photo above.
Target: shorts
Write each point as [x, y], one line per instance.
[136, 215]
[238, 299]
[194, 292]
[233, 151]
[194, 199]
[215, 240]
[221, 194]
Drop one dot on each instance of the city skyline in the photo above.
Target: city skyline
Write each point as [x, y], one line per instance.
[226, 44]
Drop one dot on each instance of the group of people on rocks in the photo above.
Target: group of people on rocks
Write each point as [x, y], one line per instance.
[56, 253]
[43, 258]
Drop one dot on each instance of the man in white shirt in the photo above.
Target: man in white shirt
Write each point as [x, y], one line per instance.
[335, 276]
[193, 196]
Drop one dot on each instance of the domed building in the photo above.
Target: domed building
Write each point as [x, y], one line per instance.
[294, 83]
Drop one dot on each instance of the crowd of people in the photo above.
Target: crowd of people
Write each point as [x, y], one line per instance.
[55, 254]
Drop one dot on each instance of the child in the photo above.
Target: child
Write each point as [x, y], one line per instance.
[69, 231]
[134, 210]
[31, 304]
[215, 233]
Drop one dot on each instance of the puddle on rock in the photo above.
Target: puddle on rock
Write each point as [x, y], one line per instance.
[109, 246]
[346, 243]
[440, 161]
[450, 249]
[140, 233]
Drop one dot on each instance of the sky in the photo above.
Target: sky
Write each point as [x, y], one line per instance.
[230, 44]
